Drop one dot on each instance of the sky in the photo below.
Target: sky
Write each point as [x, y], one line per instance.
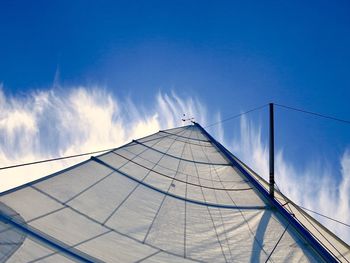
[140, 66]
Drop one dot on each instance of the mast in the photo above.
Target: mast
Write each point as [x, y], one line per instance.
[272, 153]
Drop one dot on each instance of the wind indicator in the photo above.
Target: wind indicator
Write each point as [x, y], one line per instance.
[184, 118]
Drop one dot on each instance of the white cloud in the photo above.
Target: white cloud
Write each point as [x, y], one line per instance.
[60, 122]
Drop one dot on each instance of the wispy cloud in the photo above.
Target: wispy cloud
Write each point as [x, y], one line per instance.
[57, 122]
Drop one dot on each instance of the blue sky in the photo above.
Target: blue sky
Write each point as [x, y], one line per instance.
[230, 55]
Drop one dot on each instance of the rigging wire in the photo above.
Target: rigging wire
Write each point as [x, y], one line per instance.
[288, 201]
[54, 159]
[64, 157]
[313, 113]
[328, 217]
[236, 116]
[281, 106]
[312, 211]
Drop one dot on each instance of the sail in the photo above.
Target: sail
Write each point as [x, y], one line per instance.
[174, 196]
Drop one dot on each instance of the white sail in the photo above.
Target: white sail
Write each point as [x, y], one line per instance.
[174, 196]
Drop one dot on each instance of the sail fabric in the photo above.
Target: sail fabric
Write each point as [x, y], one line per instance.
[169, 197]
[337, 247]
